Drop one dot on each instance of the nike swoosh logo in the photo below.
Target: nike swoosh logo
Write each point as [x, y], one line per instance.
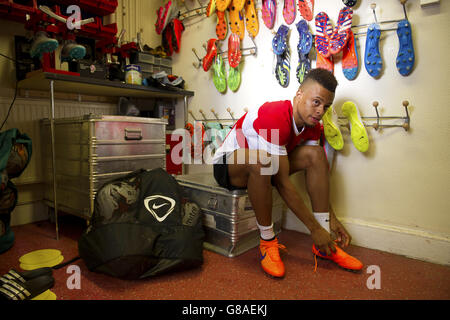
[151, 208]
[261, 257]
[158, 206]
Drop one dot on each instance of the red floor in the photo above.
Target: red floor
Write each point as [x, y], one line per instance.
[240, 277]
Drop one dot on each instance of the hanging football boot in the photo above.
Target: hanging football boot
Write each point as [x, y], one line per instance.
[306, 8]
[405, 56]
[269, 12]
[222, 5]
[358, 132]
[324, 31]
[331, 129]
[42, 44]
[236, 22]
[238, 4]
[251, 18]
[372, 57]
[72, 51]
[211, 53]
[221, 27]
[283, 68]
[325, 63]
[234, 50]
[211, 8]
[279, 42]
[303, 48]
[350, 61]
[339, 37]
[349, 3]
[289, 11]
[176, 27]
[219, 78]
[234, 78]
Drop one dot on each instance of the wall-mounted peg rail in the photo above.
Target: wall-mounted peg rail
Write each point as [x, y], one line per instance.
[216, 117]
[190, 13]
[378, 124]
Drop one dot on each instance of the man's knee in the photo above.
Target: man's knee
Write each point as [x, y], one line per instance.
[316, 156]
[261, 163]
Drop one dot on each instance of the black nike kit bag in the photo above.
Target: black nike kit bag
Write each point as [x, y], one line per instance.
[141, 227]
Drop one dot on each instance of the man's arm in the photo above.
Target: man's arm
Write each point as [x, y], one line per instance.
[342, 235]
[285, 187]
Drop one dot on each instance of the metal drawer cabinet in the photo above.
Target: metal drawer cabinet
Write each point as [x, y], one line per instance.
[94, 149]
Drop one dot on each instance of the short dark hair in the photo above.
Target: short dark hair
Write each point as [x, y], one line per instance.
[322, 76]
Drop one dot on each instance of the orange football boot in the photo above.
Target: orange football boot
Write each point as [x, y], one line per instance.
[341, 258]
[251, 18]
[270, 257]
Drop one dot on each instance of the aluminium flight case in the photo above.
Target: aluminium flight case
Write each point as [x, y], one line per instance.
[228, 217]
[94, 149]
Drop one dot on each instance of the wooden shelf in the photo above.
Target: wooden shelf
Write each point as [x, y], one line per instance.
[96, 87]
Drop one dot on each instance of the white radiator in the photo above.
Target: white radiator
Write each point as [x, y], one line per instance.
[26, 115]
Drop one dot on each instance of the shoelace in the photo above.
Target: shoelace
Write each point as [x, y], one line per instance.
[274, 253]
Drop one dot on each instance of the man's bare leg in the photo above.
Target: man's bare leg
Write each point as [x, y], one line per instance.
[312, 159]
[246, 172]
[249, 172]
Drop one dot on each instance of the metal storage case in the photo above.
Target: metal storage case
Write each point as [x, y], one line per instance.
[94, 149]
[228, 217]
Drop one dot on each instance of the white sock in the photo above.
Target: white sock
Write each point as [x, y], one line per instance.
[323, 218]
[266, 232]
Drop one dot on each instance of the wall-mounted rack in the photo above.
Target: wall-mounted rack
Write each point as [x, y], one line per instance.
[378, 125]
[373, 6]
[251, 51]
[191, 13]
[216, 117]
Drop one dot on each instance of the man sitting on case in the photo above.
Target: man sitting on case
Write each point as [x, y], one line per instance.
[265, 147]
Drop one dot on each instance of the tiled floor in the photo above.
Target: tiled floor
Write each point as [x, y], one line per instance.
[240, 277]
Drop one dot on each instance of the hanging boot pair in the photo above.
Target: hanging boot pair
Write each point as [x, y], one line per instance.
[405, 56]
[357, 130]
[43, 44]
[164, 16]
[234, 74]
[171, 37]
[328, 41]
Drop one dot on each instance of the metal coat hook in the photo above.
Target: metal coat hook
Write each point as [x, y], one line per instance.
[373, 6]
[192, 115]
[214, 113]
[231, 113]
[203, 114]
[199, 63]
[403, 2]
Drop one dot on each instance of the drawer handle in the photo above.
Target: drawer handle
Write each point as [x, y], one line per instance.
[212, 203]
[133, 134]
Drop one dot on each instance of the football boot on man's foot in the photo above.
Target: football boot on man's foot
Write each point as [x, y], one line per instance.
[341, 258]
[269, 256]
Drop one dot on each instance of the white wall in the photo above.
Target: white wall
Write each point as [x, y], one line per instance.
[399, 187]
